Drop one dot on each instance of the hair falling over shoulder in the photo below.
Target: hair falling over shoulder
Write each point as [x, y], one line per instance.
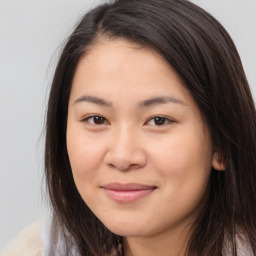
[204, 56]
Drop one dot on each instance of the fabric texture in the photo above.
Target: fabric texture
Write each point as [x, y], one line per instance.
[27, 243]
[53, 240]
[41, 238]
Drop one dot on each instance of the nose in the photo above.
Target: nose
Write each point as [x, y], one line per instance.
[125, 152]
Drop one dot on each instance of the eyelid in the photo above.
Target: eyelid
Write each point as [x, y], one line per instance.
[168, 119]
[87, 117]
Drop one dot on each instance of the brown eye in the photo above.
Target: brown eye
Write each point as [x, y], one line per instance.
[159, 121]
[99, 120]
[95, 120]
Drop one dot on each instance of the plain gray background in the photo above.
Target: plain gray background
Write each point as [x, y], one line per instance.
[30, 35]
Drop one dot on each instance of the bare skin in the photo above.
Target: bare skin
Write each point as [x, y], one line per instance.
[140, 153]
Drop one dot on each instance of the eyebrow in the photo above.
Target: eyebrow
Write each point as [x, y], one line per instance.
[161, 100]
[145, 103]
[93, 99]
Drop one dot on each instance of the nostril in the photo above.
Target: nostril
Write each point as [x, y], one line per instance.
[124, 167]
[125, 159]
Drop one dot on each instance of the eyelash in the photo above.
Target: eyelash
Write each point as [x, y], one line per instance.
[165, 120]
[87, 119]
[160, 118]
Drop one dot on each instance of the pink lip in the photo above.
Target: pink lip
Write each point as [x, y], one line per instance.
[124, 193]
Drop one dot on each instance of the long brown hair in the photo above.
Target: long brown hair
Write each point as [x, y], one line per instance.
[204, 56]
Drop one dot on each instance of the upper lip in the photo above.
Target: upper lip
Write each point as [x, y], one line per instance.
[127, 186]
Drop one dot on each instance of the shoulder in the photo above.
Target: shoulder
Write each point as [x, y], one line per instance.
[27, 243]
[42, 238]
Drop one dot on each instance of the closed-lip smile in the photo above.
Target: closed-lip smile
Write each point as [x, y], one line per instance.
[127, 192]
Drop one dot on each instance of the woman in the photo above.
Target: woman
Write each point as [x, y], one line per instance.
[150, 136]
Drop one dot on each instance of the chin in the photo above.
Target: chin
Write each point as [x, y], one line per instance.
[128, 229]
[124, 228]
[124, 232]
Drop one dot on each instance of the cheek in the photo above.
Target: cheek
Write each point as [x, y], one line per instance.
[183, 161]
[84, 153]
[184, 165]
[84, 156]
[182, 154]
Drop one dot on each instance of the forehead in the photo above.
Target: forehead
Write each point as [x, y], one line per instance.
[116, 55]
[124, 63]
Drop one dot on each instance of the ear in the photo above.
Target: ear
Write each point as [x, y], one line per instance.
[217, 163]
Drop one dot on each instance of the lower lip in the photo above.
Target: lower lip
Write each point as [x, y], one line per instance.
[127, 196]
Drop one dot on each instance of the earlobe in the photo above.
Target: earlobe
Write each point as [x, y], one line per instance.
[217, 163]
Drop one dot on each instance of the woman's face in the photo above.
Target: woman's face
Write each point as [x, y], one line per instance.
[140, 153]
